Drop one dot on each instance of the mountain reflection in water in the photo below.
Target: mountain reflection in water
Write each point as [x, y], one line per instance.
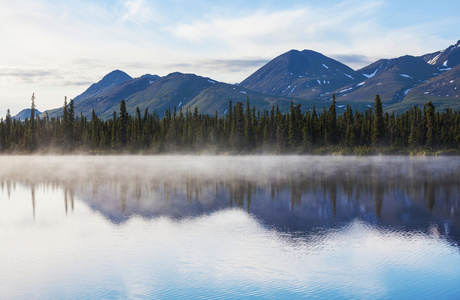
[185, 227]
[292, 194]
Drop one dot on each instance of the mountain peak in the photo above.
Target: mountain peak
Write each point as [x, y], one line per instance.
[150, 76]
[116, 74]
[107, 83]
[447, 58]
[24, 114]
[306, 74]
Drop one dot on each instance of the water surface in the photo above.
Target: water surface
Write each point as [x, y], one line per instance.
[229, 227]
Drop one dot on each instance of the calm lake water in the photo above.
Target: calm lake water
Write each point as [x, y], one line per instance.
[163, 227]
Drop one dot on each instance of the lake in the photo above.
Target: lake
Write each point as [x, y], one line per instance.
[278, 227]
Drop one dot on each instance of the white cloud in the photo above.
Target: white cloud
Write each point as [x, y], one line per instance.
[43, 76]
[348, 28]
[69, 42]
[300, 25]
[139, 12]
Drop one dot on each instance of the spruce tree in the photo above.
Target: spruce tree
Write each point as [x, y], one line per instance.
[294, 131]
[378, 128]
[123, 124]
[31, 137]
[70, 126]
[7, 131]
[331, 126]
[430, 124]
[237, 133]
[248, 128]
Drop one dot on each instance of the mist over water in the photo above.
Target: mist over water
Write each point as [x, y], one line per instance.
[224, 226]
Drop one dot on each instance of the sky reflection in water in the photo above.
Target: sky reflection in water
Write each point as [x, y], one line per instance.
[171, 227]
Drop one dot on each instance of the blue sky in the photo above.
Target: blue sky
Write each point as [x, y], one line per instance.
[58, 48]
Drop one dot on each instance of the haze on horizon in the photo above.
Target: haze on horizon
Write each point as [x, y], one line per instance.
[59, 49]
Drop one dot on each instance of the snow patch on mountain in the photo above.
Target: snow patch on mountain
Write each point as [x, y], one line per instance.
[346, 90]
[371, 75]
[434, 59]
[406, 76]
[292, 89]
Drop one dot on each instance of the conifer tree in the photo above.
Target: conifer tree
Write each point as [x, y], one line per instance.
[248, 129]
[378, 128]
[237, 134]
[31, 138]
[70, 126]
[7, 131]
[123, 124]
[331, 128]
[64, 122]
[114, 131]
[431, 124]
[294, 133]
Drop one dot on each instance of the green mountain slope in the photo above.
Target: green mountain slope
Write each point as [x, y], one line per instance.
[190, 90]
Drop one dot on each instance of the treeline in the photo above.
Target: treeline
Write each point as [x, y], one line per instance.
[243, 129]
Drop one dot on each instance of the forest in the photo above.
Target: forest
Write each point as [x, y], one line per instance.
[242, 130]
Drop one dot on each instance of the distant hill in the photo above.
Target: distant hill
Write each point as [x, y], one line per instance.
[304, 74]
[24, 114]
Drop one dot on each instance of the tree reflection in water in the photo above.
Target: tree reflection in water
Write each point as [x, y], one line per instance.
[287, 193]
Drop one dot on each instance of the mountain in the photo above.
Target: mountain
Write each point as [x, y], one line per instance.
[175, 89]
[189, 90]
[178, 90]
[303, 74]
[107, 83]
[114, 96]
[107, 93]
[442, 90]
[311, 75]
[24, 114]
[448, 58]
[303, 77]
[392, 79]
